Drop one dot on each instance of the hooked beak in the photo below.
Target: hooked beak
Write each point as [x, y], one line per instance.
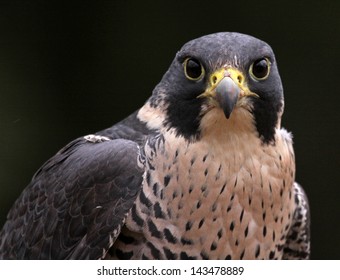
[227, 87]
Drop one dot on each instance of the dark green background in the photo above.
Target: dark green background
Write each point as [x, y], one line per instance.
[71, 69]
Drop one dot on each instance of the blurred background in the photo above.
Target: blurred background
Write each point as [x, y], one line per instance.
[73, 68]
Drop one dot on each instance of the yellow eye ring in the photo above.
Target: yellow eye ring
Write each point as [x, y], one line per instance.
[260, 69]
[193, 69]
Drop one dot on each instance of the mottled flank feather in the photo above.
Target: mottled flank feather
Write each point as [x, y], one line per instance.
[297, 246]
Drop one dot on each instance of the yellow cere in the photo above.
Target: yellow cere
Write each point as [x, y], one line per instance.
[236, 75]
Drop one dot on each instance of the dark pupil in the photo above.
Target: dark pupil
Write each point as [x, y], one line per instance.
[194, 69]
[260, 68]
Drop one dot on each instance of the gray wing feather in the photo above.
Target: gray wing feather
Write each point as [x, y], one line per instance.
[298, 238]
[76, 203]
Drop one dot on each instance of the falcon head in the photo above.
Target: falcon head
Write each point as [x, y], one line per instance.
[221, 81]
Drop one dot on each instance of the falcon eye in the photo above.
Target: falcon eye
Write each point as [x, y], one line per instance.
[260, 69]
[193, 69]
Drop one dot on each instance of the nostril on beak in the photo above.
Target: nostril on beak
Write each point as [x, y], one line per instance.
[214, 79]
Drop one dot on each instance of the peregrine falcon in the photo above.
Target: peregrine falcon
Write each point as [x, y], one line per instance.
[202, 171]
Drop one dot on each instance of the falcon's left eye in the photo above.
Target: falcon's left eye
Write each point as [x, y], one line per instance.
[193, 69]
[260, 69]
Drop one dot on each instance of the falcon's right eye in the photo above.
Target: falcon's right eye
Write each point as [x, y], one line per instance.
[193, 69]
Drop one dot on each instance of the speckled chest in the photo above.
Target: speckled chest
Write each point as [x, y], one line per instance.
[205, 200]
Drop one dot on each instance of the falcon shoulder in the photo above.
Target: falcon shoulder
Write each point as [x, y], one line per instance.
[77, 201]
